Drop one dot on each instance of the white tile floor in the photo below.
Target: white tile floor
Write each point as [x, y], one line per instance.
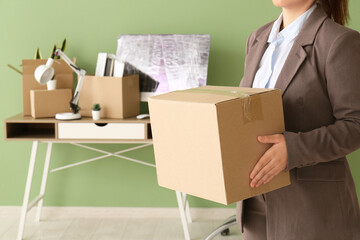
[113, 224]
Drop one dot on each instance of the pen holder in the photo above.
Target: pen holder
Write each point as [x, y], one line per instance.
[118, 97]
[51, 85]
[64, 75]
[96, 115]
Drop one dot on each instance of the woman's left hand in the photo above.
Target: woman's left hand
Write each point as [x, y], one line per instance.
[272, 162]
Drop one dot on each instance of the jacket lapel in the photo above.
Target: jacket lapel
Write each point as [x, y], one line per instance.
[292, 64]
[295, 58]
[297, 53]
[253, 60]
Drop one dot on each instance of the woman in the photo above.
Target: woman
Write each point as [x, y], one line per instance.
[315, 61]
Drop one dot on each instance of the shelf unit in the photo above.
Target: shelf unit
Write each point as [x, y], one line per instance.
[27, 128]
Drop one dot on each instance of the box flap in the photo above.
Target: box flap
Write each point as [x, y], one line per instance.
[210, 94]
[249, 91]
[184, 96]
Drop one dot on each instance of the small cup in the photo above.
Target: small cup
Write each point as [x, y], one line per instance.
[51, 85]
[95, 115]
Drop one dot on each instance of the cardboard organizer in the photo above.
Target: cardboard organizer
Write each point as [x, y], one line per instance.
[64, 77]
[118, 97]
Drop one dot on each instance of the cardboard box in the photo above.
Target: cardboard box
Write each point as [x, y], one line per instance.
[64, 77]
[47, 103]
[118, 97]
[205, 140]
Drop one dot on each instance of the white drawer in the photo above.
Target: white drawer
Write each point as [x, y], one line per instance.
[109, 131]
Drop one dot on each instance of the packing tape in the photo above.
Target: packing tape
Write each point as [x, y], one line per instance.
[232, 93]
[252, 107]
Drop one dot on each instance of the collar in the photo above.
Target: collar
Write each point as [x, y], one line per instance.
[306, 35]
[291, 31]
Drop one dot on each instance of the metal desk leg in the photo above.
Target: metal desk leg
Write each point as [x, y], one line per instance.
[43, 181]
[182, 207]
[187, 208]
[27, 190]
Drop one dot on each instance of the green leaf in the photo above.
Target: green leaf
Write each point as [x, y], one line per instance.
[53, 50]
[63, 46]
[38, 54]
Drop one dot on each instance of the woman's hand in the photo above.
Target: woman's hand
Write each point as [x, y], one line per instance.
[272, 162]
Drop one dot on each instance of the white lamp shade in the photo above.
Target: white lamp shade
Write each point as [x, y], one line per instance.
[44, 73]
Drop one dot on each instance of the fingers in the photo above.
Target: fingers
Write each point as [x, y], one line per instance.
[269, 179]
[268, 176]
[272, 162]
[264, 160]
[262, 175]
[276, 138]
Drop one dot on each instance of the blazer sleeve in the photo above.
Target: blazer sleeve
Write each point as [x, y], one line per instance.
[327, 143]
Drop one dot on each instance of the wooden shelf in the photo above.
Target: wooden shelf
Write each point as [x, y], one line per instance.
[26, 128]
[30, 130]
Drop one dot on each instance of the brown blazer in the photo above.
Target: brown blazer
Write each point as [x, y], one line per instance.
[320, 83]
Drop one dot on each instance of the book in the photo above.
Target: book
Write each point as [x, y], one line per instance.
[112, 67]
[107, 67]
[100, 64]
[118, 68]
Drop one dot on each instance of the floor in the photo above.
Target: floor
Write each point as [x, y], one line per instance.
[113, 223]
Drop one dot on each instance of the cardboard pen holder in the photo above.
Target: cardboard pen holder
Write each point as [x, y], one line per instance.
[64, 76]
[118, 97]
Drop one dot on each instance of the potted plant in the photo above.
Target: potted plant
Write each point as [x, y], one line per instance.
[39, 56]
[51, 85]
[96, 111]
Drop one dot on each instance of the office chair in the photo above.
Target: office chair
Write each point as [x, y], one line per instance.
[223, 229]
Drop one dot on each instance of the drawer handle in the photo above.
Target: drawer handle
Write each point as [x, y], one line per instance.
[101, 124]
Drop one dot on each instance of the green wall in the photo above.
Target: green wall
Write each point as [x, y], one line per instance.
[91, 28]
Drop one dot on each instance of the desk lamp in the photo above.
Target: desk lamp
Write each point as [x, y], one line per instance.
[44, 73]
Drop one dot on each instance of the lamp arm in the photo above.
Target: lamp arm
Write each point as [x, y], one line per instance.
[72, 65]
[81, 74]
[75, 98]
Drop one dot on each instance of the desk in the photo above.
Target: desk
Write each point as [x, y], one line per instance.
[76, 132]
